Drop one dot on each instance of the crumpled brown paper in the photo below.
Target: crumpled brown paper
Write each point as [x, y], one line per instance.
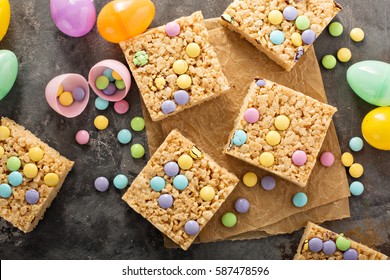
[208, 125]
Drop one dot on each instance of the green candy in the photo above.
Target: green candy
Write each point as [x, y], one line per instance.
[137, 124]
[137, 151]
[102, 82]
[229, 219]
[302, 22]
[120, 84]
[13, 163]
[141, 58]
[336, 29]
[342, 243]
[329, 61]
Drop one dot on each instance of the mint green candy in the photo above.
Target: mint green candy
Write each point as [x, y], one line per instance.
[336, 29]
[300, 199]
[137, 124]
[229, 219]
[342, 243]
[102, 82]
[329, 62]
[8, 71]
[120, 84]
[302, 22]
[13, 163]
[137, 151]
[121, 181]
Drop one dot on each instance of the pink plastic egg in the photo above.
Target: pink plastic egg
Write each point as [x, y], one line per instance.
[73, 17]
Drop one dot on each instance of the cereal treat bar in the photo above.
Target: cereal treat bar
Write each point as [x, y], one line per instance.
[180, 189]
[175, 67]
[318, 243]
[282, 29]
[31, 174]
[280, 130]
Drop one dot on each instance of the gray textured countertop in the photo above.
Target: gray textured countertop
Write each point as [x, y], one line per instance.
[85, 224]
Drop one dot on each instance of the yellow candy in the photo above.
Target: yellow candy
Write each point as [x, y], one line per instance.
[35, 154]
[116, 76]
[66, 98]
[101, 122]
[4, 133]
[207, 193]
[249, 179]
[272, 138]
[282, 122]
[195, 153]
[184, 81]
[347, 159]
[267, 159]
[275, 17]
[160, 83]
[180, 66]
[30, 170]
[357, 34]
[344, 55]
[193, 50]
[185, 162]
[296, 39]
[356, 170]
[60, 90]
[1, 152]
[51, 179]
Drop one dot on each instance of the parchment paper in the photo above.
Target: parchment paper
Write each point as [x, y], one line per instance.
[208, 125]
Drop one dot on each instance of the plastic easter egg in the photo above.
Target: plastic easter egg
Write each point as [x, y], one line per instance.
[73, 17]
[120, 20]
[8, 71]
[5, 16]
[376, 128]
[370, 80]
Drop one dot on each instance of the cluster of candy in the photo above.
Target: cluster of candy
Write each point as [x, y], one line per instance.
[109, 82]
[120, 182]
[180, 182]
[66, 97]
[356, 170]
[344, 54]
[329, 247]
[20, 171]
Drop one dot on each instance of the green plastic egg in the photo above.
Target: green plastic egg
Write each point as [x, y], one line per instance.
[8, 71]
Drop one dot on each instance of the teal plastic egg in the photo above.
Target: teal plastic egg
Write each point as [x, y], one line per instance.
[370, 80]
[8, 71]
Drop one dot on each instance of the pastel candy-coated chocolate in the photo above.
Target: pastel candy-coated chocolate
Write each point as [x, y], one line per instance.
[171, 168]
[110, 89]
[165, 201]
[357, 34]
[260, 83]
[342, 243]
[78, 93]
[336, 29]
[5, 190]
[268, 183]
[137, 151]
[15, 178]
[299, 158]
[137, 124]
[124, 136]
[35, 154]
[239, 137]
[191, 227]
[180, 182]
[315, 245]
[82, 137]
[350, 254]
[277, 37]
[375, 128]
[121, 107]
[181, 97]
[168, 106]
[207, 193]
[101, 184]
[356, 188]
[172, 29]
[229, 219]
[249, 179]
[32, 196]
[308, 36]
[329, 247]
[121, 181]
[327, 159]
[302, 22]
[300, 199]
[157, 183]
[290, 13]
[251, 115]
[356, 144]
[101, 104]
[242, 205]
[370, 80]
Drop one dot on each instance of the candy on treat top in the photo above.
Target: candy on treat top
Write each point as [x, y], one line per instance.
[329, 61]
[356, 144]
[30, 170]
[32, 196]
[336, 29]
[101, 122]
[350, 254]
[275, 17]
[344, 55]
[315, 245]
[299, 157]
[193, 50]
[356, 188]
[140, 58]
[357, 34]
[185, 162]
[276, 37]
[239, 138]
[249, 179]
[308, 36]
[157, 183]
[165, 201]
[268, 183]
[120, 181]
[251, 115]
[282, 122]
[82, 137]
[172, 29]
[242, 205]
[15, 178]
[180, 182]
[5, 190]
[195, 153]
[302, 22]
[171, 168]
[13, 163]
[66, 98]
[35, 154]
[191, 227]
[207, 193]
[227, 17]
[229, 219]
[160, 83]
[273, 138]
[51, 179]
[300, 199]
[168, 106]
[290, 13]
[266, 159]
[181, 97]
[327, 159]
[101, 184]
[260, 82]
[137, 151]
[347, 159]
[180, 66]
[101, 104]
[329, 247]
[184, 81]
[356, 170]
[342, 243]
[137, 124]
[296, 39]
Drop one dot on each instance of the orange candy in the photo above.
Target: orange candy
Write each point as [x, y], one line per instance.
[121, 20]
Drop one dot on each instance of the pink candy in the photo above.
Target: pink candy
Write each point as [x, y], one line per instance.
[251, 115]
[82, 137]
[327, 159]
[172, 29]
[299, 158]
[121, 107]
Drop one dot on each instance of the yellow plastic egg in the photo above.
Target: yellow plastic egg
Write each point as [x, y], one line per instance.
[5, 16]
[376, 128]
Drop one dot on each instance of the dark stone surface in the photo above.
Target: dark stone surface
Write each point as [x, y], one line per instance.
[85, 224]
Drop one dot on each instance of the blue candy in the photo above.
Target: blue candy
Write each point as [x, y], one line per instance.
[239, 137]
[300, 199]
[356, 188]
[15, 178]
[277, 37]
[124, 136]
[157, 183]
[101, 104]
[180, 182]
[121, 181]
[356, 144]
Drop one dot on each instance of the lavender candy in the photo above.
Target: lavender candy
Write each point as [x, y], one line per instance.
[350, 254]
[168, 107]
[308, 36]
[165, 201]
[110, 89]
[290, 13]
[78, 93]
[329, 247]
[171, 168]
[242, 205]
[260, 83]
[191, 227]
[101, 184]
[315, 245]
[268, 183]
[181, 97]
[32, 196]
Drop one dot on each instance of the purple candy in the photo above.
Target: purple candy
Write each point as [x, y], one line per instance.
[308, 36]
[172, 29]
[350, 255]
[191, 227]
[110, 89]
[260, 83]
[171, 168]
[268, 183]
[290, 13]
[32, 196]
[165, 201]
[315, 245]
[329, 247]
[78, 93]
[168, 107]
[181, 97]
[101, 184]
[242, 205]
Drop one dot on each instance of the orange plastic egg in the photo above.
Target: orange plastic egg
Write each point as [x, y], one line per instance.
[120, 20]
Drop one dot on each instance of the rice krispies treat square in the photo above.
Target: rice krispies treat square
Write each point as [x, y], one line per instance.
[15, 209]
[156, 80]
[307, 125]
[250, 19]
[188, 203]
[315, 231]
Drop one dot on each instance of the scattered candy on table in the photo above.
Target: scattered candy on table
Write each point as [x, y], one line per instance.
[357, 34]
[101, 104]
[300, 199]
[124, 136]
[120, 181]
[336, 29]
[356, 170]
[137, 124]
[101, 122]
[327, 159]
[344, 55]
[101, 184]
[249, 179]
[356, 188]
[356, 144]
[268, 183]
[329, 62]
[82, 137]
[347, 159]
[121, 107]
[229, 219]
[137, 151]
[242, 205]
